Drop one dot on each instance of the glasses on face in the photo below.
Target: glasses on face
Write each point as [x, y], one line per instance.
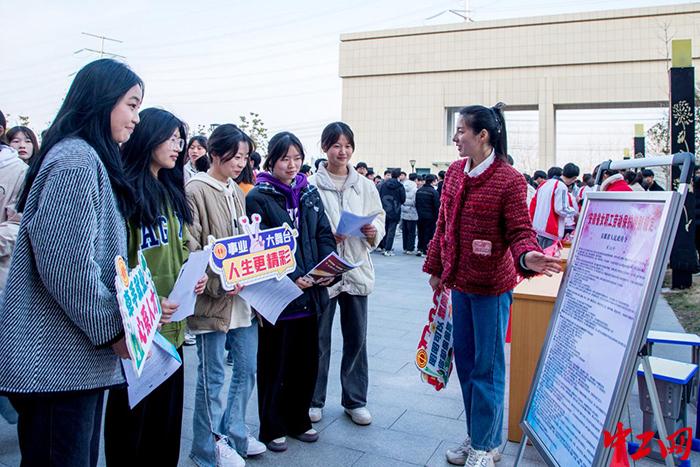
[177, 143]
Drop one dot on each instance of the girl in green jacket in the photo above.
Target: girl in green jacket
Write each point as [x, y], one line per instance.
[153, 160]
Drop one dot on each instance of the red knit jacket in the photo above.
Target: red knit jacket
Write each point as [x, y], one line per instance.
[483, 228]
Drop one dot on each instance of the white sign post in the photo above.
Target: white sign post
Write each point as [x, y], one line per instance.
[600, 320]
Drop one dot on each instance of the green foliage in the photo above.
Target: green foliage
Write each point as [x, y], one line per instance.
[254, 127]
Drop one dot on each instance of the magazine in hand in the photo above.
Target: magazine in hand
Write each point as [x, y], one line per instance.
[330, 266]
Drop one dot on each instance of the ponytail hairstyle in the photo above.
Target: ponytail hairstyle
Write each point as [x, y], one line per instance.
[153, 196]
[86, 113]
[478, 117]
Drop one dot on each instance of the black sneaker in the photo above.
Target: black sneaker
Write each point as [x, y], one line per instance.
[309, 436]
[278, 444]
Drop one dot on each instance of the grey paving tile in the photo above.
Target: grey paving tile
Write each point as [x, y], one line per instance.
[320, 454]
[398, 355]
[331, 412]
[374, 347]
[408, 344]
[511, 449]
[432, 426]
[416, 318]
[437, 458]
[382, 332]
[423, 403]
[386, 365]
[382, 415]
[373, 460]
[375, 439]
[507, 461]
[384, 321]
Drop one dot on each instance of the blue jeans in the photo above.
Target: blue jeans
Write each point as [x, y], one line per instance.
[210, 417]
[7, 411]
[480, 323]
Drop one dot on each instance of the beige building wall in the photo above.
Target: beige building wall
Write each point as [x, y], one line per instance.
[398, 84]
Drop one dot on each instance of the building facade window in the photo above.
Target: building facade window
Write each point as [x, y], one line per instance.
[451, 117]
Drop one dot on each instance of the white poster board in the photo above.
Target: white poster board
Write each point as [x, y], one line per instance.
[599, 323]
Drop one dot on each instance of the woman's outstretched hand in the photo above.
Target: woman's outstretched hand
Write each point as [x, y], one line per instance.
[538, 262]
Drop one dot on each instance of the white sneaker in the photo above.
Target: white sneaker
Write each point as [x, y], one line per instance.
[226, 456]
[315, 414]
[190, 339]
[479, 459]
[360, 415]
[458, 456]
[255, 447]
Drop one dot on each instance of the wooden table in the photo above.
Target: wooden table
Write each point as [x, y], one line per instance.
[533, 302]
[564, 254]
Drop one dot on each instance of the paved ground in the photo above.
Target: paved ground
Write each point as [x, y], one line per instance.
[413, 424]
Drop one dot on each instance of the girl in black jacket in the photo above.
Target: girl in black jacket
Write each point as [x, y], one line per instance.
[288, 351]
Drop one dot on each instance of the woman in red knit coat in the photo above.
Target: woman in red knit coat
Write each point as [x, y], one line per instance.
[484, 238]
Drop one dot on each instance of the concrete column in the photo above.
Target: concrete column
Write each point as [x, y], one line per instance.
[547, 156]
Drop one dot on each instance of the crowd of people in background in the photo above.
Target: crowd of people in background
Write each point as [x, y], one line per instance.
[411, 202]
[110, 179]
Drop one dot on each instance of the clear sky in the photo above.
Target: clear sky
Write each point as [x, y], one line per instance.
[210, 61]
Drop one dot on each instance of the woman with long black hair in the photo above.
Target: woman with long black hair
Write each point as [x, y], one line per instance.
[153, 161]
[61, 334]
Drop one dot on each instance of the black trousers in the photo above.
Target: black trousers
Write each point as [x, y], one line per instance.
[409, 234]
[287, 369]
[388, 241]
[60, 429]
[426, 230]
[150, 433]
